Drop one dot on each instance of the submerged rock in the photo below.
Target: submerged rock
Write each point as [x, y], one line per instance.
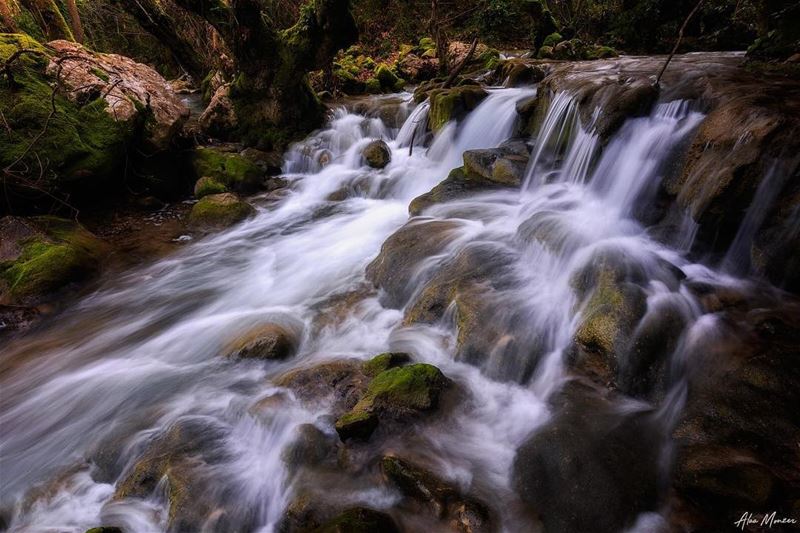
[359, 520]
[266, 341]
[40, 255]
[377, 154]
[396, 394]
[219, 211]
[340, 384]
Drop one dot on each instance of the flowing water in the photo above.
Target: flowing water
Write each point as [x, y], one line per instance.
[143, 353]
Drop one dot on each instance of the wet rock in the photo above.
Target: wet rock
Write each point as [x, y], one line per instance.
[444, 500]
[377, 154]
[105, 529]
[359, 520]
[385, 361]
[181, 455]
[340, 384]
[233, 170]
[266, 341]
[518, 73]
[133, 91]
[336, 308]
[402, 255]
[311, 448]
[453, 104]
[270, 163]
[208, 185]
[504, 165]
[458, 184]
[591, 468]
[219, 211]
[736, 440]
[41, 255]
[219, 118]
[398, 395]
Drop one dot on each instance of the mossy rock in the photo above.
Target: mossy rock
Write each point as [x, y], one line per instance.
[359, 520]
[552, 39]
[385, 361]
[545, 52]
[53, 253]
[81, 145]
[397, 393]
[453, 104]
[372, 86]
[105, 529]
[386, 77]
[426, 43]
[600, 52]
[219, 211]
[208, 185]
[231, 169]
[460, 182]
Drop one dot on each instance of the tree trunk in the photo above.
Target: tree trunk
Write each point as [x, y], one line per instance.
[75, 20]
[440, 38]
[273, 100]
[49, 18]
[7, 17]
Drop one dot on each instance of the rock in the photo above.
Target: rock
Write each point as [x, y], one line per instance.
[444, 500]
[105, 529]
[736, 439]
[386, 77]
[416, 69]
[552, 40]
[545, 52]
[266, 341]
[397, 394]
[591, 468]
[132, 91]
[384, 361]
[219, 118]
[339, 384]
[40, 255]
[377, 154]
[518, 73]
[83, 145]
[271, 163]
[609, 315]
[397, 264]
[359, 520]
[483, 170]
[233, 170]
[182, 454]
[208, 185]
[453, 104]
[311, 448]
[219, 211]
[572, 49]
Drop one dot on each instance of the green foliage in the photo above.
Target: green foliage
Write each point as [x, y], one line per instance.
[552, 39]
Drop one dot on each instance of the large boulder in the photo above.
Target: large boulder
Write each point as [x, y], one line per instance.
[219, 118]
[41, 255]
[219, 211]
[398, 394]
[593, 468]
[453, 104]
[133, 92]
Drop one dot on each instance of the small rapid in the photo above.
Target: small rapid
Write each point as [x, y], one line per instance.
[140, 358]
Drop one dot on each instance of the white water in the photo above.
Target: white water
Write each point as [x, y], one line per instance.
[143, 353]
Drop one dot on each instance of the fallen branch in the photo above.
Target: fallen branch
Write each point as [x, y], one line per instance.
[677, 42]
[456, 71]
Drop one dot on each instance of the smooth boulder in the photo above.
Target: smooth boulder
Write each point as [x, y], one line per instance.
[377, 154]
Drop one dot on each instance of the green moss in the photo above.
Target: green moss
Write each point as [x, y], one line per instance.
[552, 39]
[545, 52]
[384, 361]
[600, 52]
[385, 76]
[208, 185]
[63, 253]
[490, 58]
[451, 104]
[219, 211]
[79, 143]
[426, 43]
[232, 170]
[372, 86]
[100, 73]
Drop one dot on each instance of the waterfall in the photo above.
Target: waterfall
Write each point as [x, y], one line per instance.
[142, 354]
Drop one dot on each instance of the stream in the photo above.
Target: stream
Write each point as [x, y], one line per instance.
[143, 353]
